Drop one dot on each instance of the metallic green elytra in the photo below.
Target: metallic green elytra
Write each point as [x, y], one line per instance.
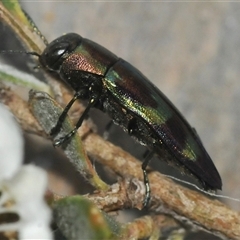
[116, 87]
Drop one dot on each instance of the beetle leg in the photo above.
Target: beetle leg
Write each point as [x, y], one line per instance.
[58, 126]
[95, 95]
[133, 129]
[145, 178]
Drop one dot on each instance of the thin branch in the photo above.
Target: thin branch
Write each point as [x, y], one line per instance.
[21, 111]
[154, 227]
[182, 204]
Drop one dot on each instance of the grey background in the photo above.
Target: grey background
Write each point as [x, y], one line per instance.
[189, 50]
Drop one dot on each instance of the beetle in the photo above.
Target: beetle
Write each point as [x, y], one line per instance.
[117, 88]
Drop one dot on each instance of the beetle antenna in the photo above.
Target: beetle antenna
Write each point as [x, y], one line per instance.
[19, 51]
[22, 52]
[34, 54]
[35, 28]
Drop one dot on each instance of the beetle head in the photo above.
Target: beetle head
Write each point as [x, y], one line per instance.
[58, 50]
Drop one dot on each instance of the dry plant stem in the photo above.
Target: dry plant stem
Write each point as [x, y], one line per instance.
[150, 225]
[181, 203]
[206, 214]
[140, 228]
[21, 111]
[127, 194]
[124, 194]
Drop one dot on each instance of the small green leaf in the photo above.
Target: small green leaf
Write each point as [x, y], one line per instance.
[78, 218]
[12, 15]
[15, 9]
[47, 112]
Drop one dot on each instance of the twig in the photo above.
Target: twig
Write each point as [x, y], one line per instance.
[21, 111]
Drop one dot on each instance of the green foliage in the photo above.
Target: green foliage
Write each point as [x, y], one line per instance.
[78, 218]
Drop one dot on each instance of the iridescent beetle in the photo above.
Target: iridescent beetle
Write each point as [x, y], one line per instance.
[116, 87]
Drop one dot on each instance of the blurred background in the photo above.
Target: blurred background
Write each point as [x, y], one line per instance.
[188, 50]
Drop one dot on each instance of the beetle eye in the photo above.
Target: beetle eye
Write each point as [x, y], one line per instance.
[51, 58]
[57, 51]
[60, 52]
